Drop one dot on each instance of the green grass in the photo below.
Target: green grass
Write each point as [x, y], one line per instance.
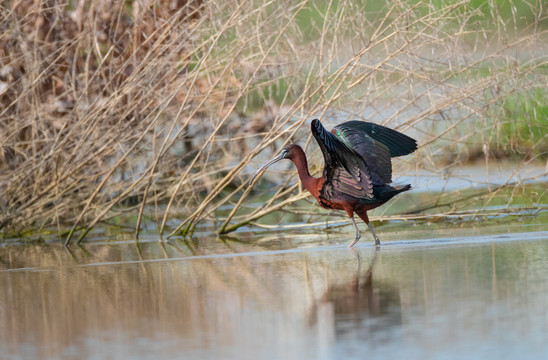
[524, 128]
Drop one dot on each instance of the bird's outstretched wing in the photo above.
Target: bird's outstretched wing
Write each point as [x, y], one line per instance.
[399, 144]
[345, 170]
[376, 144]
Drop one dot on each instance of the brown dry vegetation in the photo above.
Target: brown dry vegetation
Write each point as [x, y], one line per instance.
[155, 108]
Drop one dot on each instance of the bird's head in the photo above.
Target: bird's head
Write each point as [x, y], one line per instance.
[287, 153]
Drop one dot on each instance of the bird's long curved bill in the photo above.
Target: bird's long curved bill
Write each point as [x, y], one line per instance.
[275, 160]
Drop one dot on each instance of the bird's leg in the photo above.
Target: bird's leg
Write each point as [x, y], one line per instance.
[377, 241]
[358, 235]
[365, 218]
[350, 211]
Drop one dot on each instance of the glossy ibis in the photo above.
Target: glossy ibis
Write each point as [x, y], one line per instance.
[358, 167]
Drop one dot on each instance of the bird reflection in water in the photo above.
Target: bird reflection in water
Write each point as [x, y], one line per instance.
[359, 308]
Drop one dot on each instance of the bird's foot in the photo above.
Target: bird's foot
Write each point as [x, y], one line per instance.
[352, 243]
[358, 236]
[377, 242]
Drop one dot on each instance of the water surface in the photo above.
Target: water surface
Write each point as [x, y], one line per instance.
[282, 296]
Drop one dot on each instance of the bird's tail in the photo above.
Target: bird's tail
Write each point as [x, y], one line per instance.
[398, 189]
[387, 192]
[402, 188]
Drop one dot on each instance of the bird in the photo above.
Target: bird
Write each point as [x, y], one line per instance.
[358, 168]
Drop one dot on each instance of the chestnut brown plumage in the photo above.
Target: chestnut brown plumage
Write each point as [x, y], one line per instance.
[358, 167]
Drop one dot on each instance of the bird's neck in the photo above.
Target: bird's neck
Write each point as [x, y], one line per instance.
[310, 183]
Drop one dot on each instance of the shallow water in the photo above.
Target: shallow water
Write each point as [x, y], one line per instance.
[424, 295]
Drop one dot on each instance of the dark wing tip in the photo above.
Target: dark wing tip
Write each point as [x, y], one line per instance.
[316, 124]
[398, 143]
[321, 134]
[401, 145]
